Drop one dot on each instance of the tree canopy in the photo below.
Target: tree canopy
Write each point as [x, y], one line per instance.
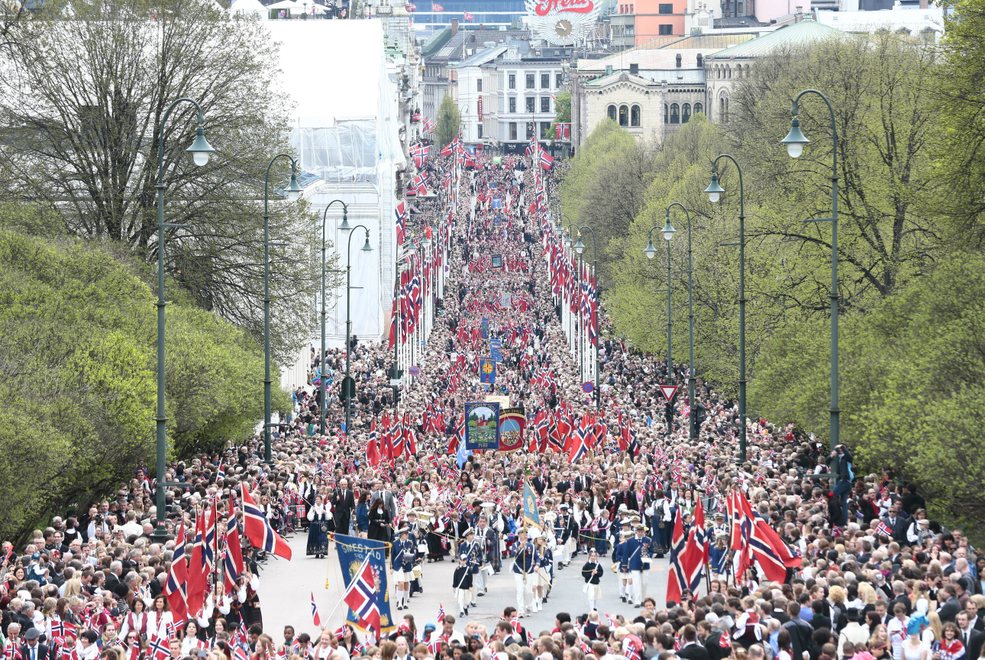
[77, 373]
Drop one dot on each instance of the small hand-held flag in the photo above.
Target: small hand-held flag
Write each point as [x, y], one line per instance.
[315, 616]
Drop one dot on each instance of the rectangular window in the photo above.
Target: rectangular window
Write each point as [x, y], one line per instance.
[511, 81]
[558, 80]
[530, 103]
[545, 81]
[513, 130]
[478, 85]
[666, 8]
[530, 81]
[545, 130]
[512, 105]
[545, 104]
[666, 30]
[480, 131]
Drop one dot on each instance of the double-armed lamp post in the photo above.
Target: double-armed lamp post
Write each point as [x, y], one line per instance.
[200, 150]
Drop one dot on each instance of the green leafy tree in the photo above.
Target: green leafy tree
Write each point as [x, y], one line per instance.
[77, 375]
[84, 101]
[449, 121]
[962, 88]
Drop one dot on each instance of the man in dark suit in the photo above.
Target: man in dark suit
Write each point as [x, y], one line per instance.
[33, 649]
[691, 650]
[515, 482]
[541, 484]
[343, 504]
[949, 610]
[582, 482]
[897, 521]
[971, 638]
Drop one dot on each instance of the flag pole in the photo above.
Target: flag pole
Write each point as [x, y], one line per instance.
[359, 572]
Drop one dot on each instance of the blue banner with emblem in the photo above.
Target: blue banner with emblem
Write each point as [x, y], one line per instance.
[487, 371]
[352, 552]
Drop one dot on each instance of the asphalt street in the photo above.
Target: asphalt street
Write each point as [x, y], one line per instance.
[286, 586]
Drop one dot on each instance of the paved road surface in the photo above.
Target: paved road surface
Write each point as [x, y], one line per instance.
[285, 588]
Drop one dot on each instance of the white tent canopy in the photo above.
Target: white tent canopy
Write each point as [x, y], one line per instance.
[248, 8]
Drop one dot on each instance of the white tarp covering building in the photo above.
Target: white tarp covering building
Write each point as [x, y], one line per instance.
[345, 130]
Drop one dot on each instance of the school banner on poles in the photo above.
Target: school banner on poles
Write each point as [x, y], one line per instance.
[482, 426]
[511, 424]
[352, 552]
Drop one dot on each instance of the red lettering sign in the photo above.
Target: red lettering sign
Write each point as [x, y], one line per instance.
[545, 7]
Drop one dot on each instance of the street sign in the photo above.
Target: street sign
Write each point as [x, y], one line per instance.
[415, 371]
[347, 389]
[669, 391]
[588, 387]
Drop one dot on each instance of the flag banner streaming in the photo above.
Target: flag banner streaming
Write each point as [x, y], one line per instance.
[482, 425]
[353, 552]
[512, 422]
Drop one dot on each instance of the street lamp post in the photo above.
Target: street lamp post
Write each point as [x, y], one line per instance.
[200, 150]
[347, 392]
[293, 191]
[715, 191]
[321, 359]
[668, 233]
[795, 142]
[580, 248]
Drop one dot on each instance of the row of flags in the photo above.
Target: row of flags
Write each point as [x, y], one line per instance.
[753, 541]
[187, 586]
[393, 439]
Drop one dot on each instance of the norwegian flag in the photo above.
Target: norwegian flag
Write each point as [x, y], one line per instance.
[233, 559]
[515, 622]
[63, 630]
[441, 613]
[420, 185]
[158, 648]
[420, 152]
[397, 437]
[176, 586]
[428, 125]
[458, 439]
[696, 551]
[361, 597]
[259, 532]
[401, 213]
[632, 647]
[532, 147]
[200, 566]
[373, 446]
[315, 616]
[546, 161]
[882, 529]
[677, 577]
[577, 445]
[220, 472]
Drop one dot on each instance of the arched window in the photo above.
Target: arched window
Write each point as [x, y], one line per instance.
[728, 72]
[698, 108]
[701, 61]
[611, 112]
[634, 116]
[675, 114]
[679, 60]
[666, 113]
[723, 108]
[624, 115]
[686, 113]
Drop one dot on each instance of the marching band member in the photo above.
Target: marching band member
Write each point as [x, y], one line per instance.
[462, 584]
[472, 550]
[484, 538]
[639, 559]
[620, 557]
[592, 572]
[523, 568]
[416, 536]
[404, 554]
[567, 537]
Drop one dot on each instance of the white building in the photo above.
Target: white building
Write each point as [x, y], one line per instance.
[346, 130]
[506, 96]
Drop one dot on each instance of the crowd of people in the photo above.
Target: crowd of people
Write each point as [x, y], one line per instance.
[878, 578]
